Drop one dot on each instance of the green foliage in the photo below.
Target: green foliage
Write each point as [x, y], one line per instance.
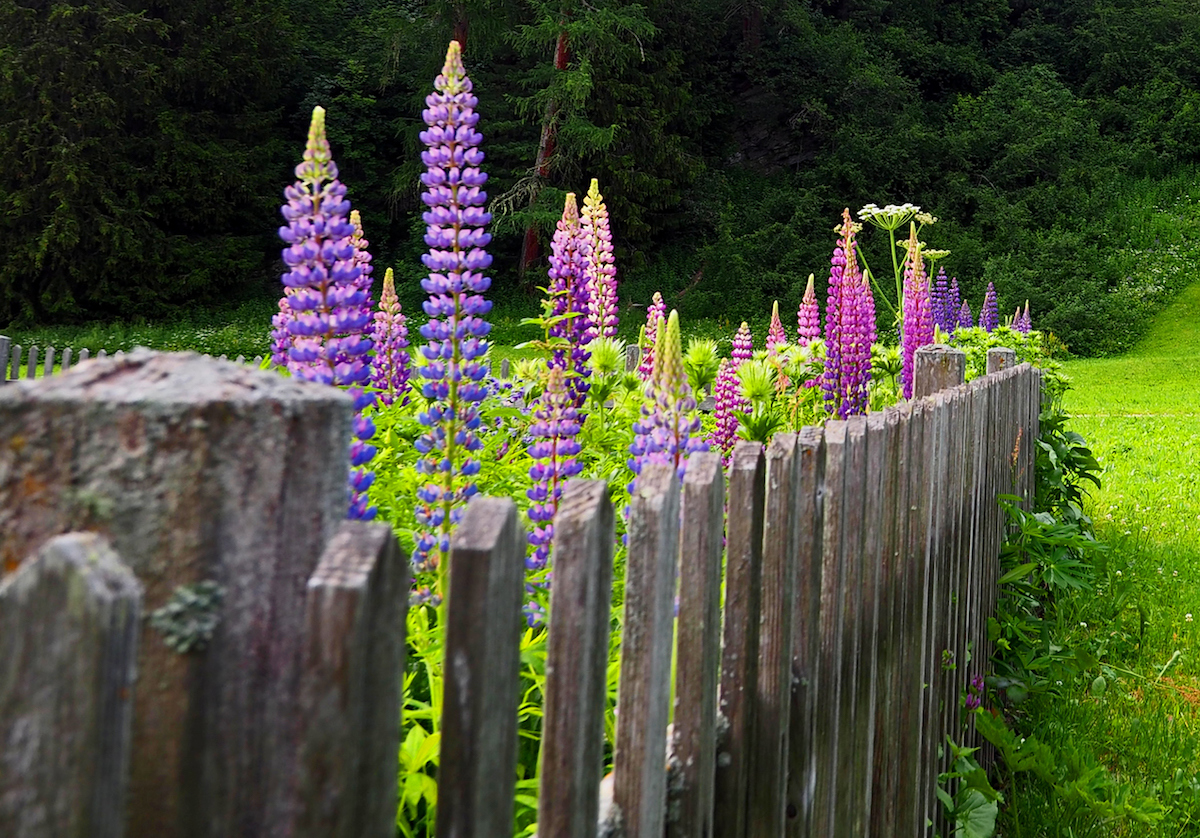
[971, 804]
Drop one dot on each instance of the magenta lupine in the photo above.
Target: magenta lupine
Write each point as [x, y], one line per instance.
[989, 313]
[568, 289]
[668, 429]
[655, 314]
[600, 271]
[743, 344]
[327, 321]
[555, 426]
[776, 334]
[808, 317]
[453, 359]
[965, 318]
[918, 316]
[849, 329]
[390, 370]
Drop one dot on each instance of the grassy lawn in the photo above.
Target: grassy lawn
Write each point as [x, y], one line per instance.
[1141, 413]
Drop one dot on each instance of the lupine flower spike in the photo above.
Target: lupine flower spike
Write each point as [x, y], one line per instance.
[943, 313]
[808, 317]
[965, 319]
[599, 270]
[953, 307]
[391, 368]
[453, 367]
[568, 288]
[654, 319]
[329, 310]
[776, 334]
[918, 316]
[849, 328]
[362, 258]
[743, 344]
[728, 400]
[1026, 321]
[668, 429]
[989, 314]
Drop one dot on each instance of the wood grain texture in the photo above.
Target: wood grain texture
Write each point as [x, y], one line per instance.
[572, 751]
[477, 768]
[698, 646]
[874, 654]
[739, 653]
[68, 645]
[810, 457]
[937, 367]
[355, 609]
[639, 759]
[196, 470]
[1000, 358]
[768, 761]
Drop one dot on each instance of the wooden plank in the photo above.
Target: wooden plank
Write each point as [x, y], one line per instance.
[477, 769]
[852, 755]
[353, 664]
[769, 754]
[68, 642]
[572, 750]
[1000, 358]
[16, 362]
[66, 359]
[633, 357]
[103, 353]
[505, 372]
[31, 363]
[937, 368]
[639, 771]
[5, 350]
[829, 670]
[810, 456]
[84, 354]
[198, 472]
[698, 645]
[48, 363]
[739, 653]
[874, 653]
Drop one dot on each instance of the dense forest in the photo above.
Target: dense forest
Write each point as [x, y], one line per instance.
[146, 144]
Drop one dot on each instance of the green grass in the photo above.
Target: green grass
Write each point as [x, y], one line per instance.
[1141, 413]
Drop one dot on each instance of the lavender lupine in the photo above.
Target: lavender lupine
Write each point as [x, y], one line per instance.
[849, 328]
[281, 335]
[555, 426]
[654, 319]
[743, 344]
[1026, 320]
[808, 317]
[965, 318]
[989, 313]
[918, 314]
[391, 369]
[943, 315]
[453, 365]
[668, 429]
[599, 270]
[954, 302]
[327, 321]
[568, 288]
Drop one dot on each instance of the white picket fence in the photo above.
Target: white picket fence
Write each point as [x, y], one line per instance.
[18, 362]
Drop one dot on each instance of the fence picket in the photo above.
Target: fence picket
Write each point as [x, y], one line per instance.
[84, 354]
[639, 778]
[698, 646]
[31, 363]
[577, 662]
[5, 349]
[477, 769]
[66, 360]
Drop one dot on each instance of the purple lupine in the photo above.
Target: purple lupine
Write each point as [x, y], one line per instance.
[989, 313]
[1026, 320]
[776, 334]
[281, 336]
[918, 316]
[965, 318]
[943, 314]
[453, 359]
[392, 361]
[667, 430]
[953, 307]
[362, 258]
[743, 344]
[808, 317]
[555, 426]
[849, 329]
[568, 289]
[327, 321]
[599, 270]
[654, 318]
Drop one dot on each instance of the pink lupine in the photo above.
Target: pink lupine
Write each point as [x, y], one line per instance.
[808, 317]
[918, 314]
[599, 270]
[654, 316]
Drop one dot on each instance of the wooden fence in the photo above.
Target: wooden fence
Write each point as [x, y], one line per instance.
[17, 361]
[856, 564]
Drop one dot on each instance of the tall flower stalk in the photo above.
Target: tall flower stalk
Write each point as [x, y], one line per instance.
[325, 313]
[452, 365]
[965, 319]
[391, 367]
[728, 400]
[655, 314]
[776, 334]
[569, 294]
[808, 316]
[989, 313]
[849, 328]
[918, 313]
[599, 269]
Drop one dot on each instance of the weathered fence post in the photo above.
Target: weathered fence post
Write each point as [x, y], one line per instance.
[477, 771]
[1000, 358]
[5, 348]
[66, 360]
[633, 357]
[937, 367]
[220, 487]
[68, 641]
[31, 363]
[48, 363]
[698, 645]
[739, 651]
[639, 758]
[505, 368]
[572, 752]
[353, 662]
[16, 362]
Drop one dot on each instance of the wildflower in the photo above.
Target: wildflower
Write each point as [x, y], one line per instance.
[989, 314]
[808, 325]
[654, 316]
[391, 366]
[556, 424]
[568, 288]
[599, 271]
[776, 334]
[849, 329]
[965, 318]
[1187, 618]
[918, 319]
[743, 344]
